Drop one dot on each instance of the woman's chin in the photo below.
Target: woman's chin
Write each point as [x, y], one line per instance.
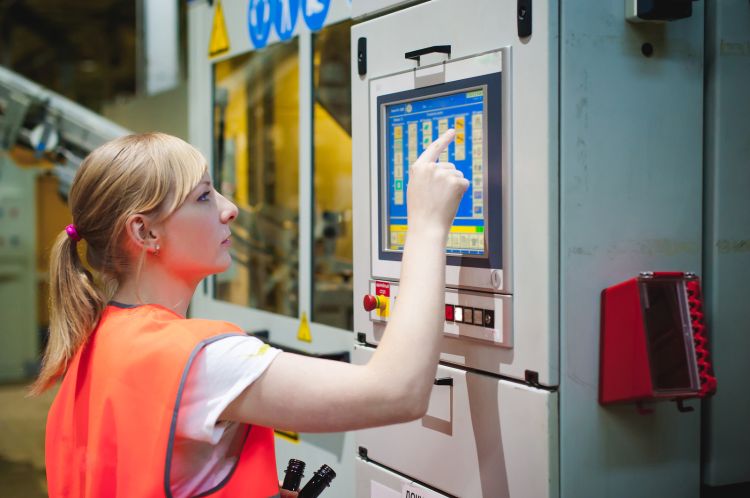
[224, 267]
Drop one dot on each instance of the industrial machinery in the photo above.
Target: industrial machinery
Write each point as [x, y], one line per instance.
[585, 130]
[41, 133]
[602, 139]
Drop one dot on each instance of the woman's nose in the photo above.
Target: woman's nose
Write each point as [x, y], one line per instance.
[228, 211]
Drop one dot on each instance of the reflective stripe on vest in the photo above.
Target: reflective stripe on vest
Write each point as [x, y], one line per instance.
[110, 430]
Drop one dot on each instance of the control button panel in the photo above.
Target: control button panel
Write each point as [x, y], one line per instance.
[470, 315]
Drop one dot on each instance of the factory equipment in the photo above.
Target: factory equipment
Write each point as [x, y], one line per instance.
[41, 133]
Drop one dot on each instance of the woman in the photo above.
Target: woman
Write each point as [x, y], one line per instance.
[154, 404]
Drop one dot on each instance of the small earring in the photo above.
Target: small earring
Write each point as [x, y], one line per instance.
[156, 250]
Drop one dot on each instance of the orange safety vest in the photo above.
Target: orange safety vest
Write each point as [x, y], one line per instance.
[110, 430]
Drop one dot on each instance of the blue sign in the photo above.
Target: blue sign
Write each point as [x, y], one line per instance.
[285, 17]
[259, 17]
[315, 12]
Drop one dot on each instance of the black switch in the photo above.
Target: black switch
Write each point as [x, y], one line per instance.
[362, 56]
[524, 18]
[489, 319]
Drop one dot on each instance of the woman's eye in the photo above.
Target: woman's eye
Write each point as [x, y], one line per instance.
[204, 196]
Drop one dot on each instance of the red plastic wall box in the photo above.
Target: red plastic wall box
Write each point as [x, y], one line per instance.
[653, 340]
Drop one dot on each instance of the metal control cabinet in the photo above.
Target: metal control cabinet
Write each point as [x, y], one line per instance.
[529, 141]
[494, 431]
[480, 437]
[604, 175]
[603, 128]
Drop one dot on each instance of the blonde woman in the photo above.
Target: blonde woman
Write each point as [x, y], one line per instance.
[154, 404]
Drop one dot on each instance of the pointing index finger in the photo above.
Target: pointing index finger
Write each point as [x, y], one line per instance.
[434, 150]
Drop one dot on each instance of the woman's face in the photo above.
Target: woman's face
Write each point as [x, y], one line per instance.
[196, 238]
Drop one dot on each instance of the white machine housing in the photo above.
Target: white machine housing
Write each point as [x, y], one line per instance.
[523, 287]
[491, 429]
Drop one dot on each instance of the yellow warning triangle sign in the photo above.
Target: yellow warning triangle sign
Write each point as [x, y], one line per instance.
[303, 334]
[219, 37]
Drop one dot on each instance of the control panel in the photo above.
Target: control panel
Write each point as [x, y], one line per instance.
[468, 315]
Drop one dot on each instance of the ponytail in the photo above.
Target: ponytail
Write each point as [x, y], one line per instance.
[146, 173]
[76, 304]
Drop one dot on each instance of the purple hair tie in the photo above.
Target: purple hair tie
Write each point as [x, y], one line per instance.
[72, 232]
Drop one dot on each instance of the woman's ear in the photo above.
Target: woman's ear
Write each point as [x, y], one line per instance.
[141, 233]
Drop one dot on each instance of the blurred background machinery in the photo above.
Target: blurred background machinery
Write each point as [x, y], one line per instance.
[43, 139]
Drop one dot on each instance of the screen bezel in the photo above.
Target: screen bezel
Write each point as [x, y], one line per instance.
[491, 83]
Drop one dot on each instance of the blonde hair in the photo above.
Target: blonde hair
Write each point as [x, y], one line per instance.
[150, 173]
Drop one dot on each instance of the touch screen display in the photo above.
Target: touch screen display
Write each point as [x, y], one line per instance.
[409, 127]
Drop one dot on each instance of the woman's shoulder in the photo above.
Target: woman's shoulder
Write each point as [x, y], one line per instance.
[149, 319]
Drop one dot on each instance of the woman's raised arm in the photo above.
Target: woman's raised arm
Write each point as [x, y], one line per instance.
[313, 395]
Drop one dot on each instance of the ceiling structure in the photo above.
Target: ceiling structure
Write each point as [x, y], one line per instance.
[82, 49]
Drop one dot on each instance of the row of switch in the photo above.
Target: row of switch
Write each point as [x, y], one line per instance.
[474, 316]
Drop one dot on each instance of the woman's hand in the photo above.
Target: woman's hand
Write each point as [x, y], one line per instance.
[435, 190]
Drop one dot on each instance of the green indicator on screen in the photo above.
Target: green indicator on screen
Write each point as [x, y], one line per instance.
[475, 93]
[480, 229]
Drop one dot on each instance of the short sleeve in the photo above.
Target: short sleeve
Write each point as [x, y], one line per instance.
[219, 373]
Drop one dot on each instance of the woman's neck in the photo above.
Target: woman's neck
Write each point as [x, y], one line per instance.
[152, 286]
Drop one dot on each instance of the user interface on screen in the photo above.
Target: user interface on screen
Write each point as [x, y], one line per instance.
[409, 127]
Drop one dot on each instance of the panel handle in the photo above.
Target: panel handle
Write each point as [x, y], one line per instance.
[444, 381]
[435, 49]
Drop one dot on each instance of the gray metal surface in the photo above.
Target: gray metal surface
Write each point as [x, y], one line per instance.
[726, 241]
[631, 187]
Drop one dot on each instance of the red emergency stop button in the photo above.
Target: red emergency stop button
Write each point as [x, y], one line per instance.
[371, 302]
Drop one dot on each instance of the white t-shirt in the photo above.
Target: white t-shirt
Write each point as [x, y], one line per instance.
[205, 449]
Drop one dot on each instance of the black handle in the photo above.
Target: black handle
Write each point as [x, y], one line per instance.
[435, 49]
[444, 381]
